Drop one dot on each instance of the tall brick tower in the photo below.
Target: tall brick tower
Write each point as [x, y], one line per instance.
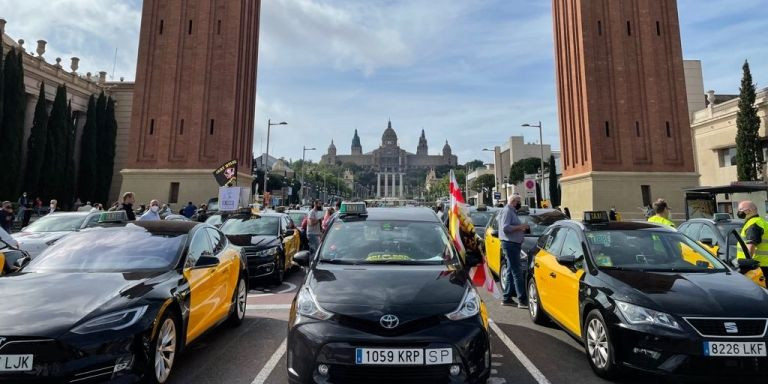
[623, 113]
[195, 96]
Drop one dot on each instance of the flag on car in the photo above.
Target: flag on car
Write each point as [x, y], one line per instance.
[465, 239]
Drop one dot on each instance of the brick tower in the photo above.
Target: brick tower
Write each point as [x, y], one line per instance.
[195, 96]
[623, 113]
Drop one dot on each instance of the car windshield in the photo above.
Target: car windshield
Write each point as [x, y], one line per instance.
[539, 223]
[649, 250]
[56, 223]
[395, 242]
[480, 218]
[254, 226]
[126, 250]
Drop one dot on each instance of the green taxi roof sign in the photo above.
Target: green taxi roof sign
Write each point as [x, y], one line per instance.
[353, 208]
[113, 217]
[596, 217]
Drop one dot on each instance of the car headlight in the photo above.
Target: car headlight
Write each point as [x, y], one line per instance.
[470, 306]
[267, 252]
[306, 305]
[114, 321]
[635, 314]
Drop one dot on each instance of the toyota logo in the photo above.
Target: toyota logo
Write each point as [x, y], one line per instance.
[389, 321]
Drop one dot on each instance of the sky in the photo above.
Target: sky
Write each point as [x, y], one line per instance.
[470, 72]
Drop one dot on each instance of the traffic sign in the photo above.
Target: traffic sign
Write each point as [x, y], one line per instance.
[530, 188]
[497, 195]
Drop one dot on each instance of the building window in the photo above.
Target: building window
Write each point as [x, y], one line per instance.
[637, 128]
[658, 28]
[599, 27]
[210, 130]
[173, 196]
[727, 157]
[607, 129]
[646, 191]
[218, 28]
[189, 28]
[162, 24]
[629, 28]
[181, 128]
[669, 131]
[152, 127]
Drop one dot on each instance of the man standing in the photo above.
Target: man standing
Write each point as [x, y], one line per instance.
[53, 206]
[23, 205]
[127, 205]
[661, 209]
[152, 214]
[189, 210]
[754, 233]
[511, 235]
[314, 226]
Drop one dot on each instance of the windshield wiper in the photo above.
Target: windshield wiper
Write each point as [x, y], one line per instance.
[339, 261]
[400, 262]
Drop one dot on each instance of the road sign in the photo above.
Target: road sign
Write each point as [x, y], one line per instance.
[497, 195]
[530, 188]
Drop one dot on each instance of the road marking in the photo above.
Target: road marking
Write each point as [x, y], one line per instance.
[290, 288]
[537, 375]
[263, 375]
[266, 307]
[260, 294]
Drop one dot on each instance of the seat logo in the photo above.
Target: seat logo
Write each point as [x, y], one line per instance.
[731, 327]
[389, 321]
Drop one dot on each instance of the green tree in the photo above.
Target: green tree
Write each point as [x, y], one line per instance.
[523, 167]
[2, 55]
[484, 184]
[106, 148]
[87, 171]
[749, 153]
[474, 164]
[554, 198]
[36, 147]
[51, 182]
[12, 131]
[69, 173]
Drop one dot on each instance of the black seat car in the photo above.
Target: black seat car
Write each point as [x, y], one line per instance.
[387, 299]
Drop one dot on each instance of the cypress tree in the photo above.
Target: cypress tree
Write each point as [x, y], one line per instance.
[69, 179]
[1, 87]
[36, 146]
[87, 170]
[101, 151]
[749, 153]
[106, 160]
[52, 181]
[12, 132]
[553, 198]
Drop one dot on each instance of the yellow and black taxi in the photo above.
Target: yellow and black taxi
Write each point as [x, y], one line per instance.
[713, 233]
[269, 241]
[387, 299]
[118, 303]
[649, 298]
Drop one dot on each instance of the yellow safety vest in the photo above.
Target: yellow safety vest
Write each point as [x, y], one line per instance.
[656, 219]
[761, 251]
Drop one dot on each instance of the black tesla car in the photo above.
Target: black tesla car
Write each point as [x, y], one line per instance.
[387, 300]
[118, 303]
[645, 297]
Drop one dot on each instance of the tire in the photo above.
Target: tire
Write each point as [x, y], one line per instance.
[239, 303]
[165, 348]
[504, 275]
[535, 309]
[599, 346]
[279, 273]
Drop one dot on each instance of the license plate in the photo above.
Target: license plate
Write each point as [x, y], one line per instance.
[728, 348]
[15, 363]
[403, 356]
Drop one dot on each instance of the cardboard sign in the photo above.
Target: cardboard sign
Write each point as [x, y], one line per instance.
[229, 198]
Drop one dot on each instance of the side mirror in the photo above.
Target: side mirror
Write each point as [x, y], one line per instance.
[567, 260]
[494, 232]
[302, 258]
[207, 260]
[707, 241]
[21, 262]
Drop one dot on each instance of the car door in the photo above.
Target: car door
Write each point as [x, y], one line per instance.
[290, 241]
[543, 269]
[228, 270]
[204, 284]
[564, 293]
[493, 244]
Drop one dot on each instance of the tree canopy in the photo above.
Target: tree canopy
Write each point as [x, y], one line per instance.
[749, 152]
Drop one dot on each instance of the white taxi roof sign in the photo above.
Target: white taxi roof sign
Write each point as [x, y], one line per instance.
[596, 217]
[353, 208]
[113, 217]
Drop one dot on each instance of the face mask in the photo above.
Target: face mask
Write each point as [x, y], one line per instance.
[741, 215]
[154, 208]
[518, 205]
[53, 205]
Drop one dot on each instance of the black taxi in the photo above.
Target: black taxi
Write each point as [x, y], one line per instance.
[387, 299]
[645, 297]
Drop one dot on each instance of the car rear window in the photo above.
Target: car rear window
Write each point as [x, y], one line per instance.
[480, 218]
[256, 225]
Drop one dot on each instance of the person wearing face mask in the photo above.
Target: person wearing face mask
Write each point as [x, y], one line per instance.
[661, 208]
[755, 234]
[53, 206]
[24, 203]
[152, 213]
[512, 235]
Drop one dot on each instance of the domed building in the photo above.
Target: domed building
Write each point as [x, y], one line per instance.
[391, 161]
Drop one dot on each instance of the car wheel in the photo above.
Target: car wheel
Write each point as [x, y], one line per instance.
[600, 351]
[164, 346]
[239, 302]
[504, 275]
[534, 304]
[279, 273]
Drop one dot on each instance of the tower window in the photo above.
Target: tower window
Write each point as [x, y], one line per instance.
[637, 128]
[218, 28]
[162, 24]
[669, 132]
[629, 28]
[210, 129]
[181, 128]
[658, 28]
[173, 193]
[599, 27]
[189, 29]
[152, 127]
[607, 129]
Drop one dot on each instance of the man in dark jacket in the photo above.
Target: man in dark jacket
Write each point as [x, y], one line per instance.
[127, 205]
[6, 216]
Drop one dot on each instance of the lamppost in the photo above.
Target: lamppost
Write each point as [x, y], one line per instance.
[266, 157]
[541, 147]
[303, 165]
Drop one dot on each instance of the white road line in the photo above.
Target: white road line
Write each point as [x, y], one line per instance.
[537, 375]
[263, 375]
[263, 307]
[260, 294]
[290, 288]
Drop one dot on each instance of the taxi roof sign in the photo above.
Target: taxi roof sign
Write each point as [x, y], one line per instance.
[113, 217]
[596, 217]
[353, 208]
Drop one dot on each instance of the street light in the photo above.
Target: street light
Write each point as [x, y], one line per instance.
[266, 157]
[541, 147]
[303, 165]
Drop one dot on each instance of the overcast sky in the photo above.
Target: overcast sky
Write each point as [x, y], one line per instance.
[467, 71]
